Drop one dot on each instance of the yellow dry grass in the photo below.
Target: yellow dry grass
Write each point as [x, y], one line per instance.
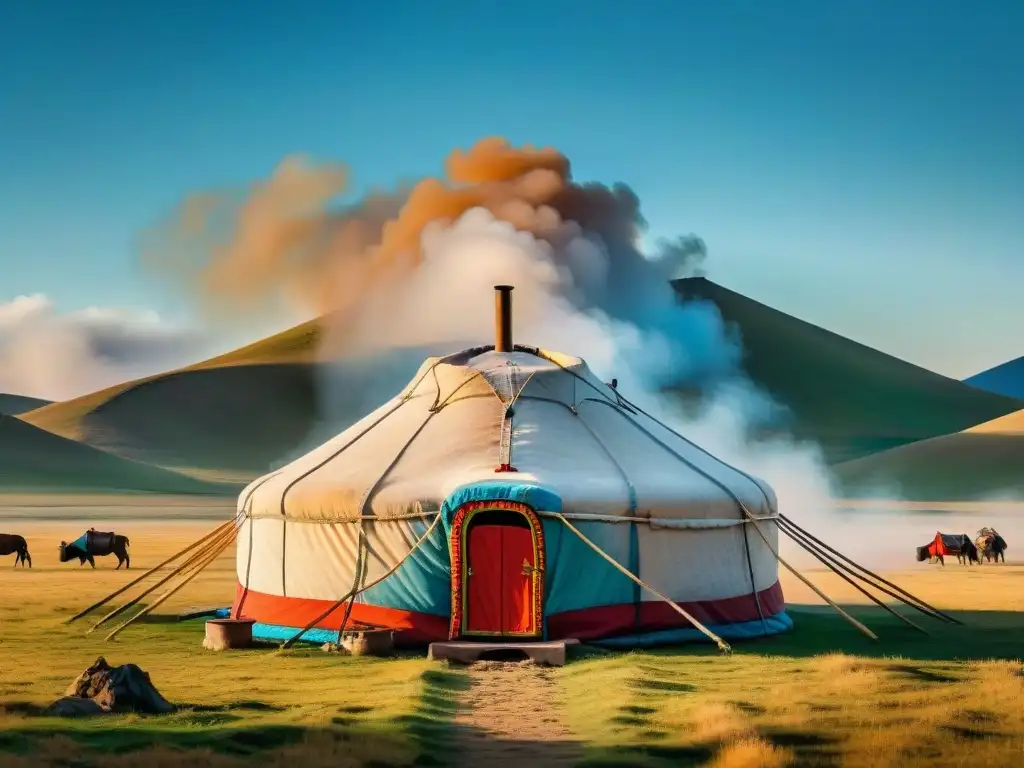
[751, 753]
[975, 588]
[282, 708]
[822, 694]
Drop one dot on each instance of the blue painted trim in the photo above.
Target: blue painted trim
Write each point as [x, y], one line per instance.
[745, 630]
[535, 496]
[223, 613]
[277, 632]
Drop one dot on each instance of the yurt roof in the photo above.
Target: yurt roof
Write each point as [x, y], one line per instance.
[542, 417]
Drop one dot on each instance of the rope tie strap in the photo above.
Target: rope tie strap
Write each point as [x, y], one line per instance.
[507, 414]
[722, 645]
[190, 572]
[869, 577]
[212, 534]
[353, 593]
[225, 535]
[816, 591]
[836, 568]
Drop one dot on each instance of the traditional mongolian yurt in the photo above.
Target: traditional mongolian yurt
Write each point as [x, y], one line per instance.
[507, 492]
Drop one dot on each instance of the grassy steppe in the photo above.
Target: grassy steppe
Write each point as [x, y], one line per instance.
[304, 707]
[820, 696]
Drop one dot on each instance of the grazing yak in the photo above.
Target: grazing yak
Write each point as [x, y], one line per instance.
[949, 544]
[95, 543]
[12, 544]
[991, 545]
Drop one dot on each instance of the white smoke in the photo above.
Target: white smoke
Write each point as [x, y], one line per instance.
[55, 356]
[446, 304]
[448, 301]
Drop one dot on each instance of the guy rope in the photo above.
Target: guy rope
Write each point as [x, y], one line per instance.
[722, 645]
[351, 595]
[207, 550]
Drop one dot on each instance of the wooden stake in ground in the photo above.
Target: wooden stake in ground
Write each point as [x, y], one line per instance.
[219, 529]
[909, 599]
[228, 532]
[722, 645]
[802, 578]
[351, 595]
[830, 564]
[195, 571]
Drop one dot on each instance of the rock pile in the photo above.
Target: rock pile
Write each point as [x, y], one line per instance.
[102, 689]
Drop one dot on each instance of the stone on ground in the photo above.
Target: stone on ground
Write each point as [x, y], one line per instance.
[102, 689]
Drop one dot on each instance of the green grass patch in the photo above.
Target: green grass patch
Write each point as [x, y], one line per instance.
[299, 707]
[819, 696]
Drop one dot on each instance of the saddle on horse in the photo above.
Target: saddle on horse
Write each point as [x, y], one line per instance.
[100, 541]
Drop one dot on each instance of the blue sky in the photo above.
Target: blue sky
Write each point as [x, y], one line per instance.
[857, 164]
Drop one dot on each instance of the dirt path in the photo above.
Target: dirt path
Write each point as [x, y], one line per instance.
[510, 717]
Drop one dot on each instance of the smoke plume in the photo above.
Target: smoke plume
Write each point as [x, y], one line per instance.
[284, 241]
[399, 275]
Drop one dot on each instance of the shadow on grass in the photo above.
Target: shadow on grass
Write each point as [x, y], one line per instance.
[176, 732]
[807, 749]
[817, 630]
[432, 724]
[234, 730]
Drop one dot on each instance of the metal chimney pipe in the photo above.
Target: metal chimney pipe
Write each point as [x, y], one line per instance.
[503, 318]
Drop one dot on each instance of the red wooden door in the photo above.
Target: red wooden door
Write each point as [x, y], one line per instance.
[483, 579]
[517, 586]
[499, 594]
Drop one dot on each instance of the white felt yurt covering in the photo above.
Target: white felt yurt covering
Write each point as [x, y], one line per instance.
[527, 433]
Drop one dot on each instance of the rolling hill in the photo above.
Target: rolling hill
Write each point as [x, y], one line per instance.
[983, 462]
[851, 398]
[1006, 379]
[232, 417]
[33, 459]
[225, 419]
[14, 405]
[1010, 424]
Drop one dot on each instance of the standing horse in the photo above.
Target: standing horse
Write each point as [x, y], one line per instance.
[12, 544]
[991, 545]
[93, 544]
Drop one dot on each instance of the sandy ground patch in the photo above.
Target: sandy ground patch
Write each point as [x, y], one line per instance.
[511, 716]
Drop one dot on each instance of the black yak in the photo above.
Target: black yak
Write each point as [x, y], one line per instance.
[12, 544]
[95, 543]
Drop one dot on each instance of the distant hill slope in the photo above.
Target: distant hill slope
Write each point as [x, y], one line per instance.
[979, 463]
[234, 416]
[853, 399]
[968, 466]
[34, 459]
[1006, 379]
[224, 419]
[1011, 424]
[13, 405]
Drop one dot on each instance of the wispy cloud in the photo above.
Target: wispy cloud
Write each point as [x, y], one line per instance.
[54, 355]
